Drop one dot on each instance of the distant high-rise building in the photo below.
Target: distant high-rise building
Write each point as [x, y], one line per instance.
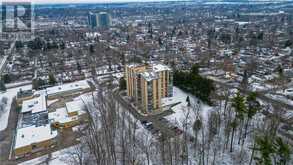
[104, 20]
[92, 20]
[101, 19]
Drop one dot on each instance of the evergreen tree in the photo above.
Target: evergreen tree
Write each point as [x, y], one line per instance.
[78, 67]
[188, 101]
[6, 78]
[238, 103]
[52, 79]
[283, 151]
[18, 44]
[92, 49]
[195, 70]
[280, 71]
[253, 107]
[122, 84]
[272, 150]
[192, 82]
[2, 85]
[35, 84]
[265, 148]
[160, 41]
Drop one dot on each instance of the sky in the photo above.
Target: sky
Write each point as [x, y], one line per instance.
[81, 1]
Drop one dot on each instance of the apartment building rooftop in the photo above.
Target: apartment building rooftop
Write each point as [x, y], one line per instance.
[149, 75]
[160, 67]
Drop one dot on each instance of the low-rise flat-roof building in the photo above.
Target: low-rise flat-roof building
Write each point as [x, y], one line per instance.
[60, 118]
[34, 138]
[68, 116]
[34, 105]
[75, 107]
[33, 131]
[67, 89]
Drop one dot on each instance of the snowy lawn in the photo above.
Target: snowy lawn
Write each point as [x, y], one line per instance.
[62, 157]
[184, 114]
[9, 94]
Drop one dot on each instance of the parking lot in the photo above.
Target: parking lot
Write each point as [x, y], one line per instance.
[156, 124]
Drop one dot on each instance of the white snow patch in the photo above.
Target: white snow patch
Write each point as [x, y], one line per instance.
[184, 114]
[61, 157]
[9, 94]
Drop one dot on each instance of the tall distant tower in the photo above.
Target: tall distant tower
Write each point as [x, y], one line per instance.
[104, 20]
[92, 20]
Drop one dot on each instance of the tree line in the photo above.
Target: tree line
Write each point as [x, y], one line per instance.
[192, 82]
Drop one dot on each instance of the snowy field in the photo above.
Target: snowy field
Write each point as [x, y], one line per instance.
[9, 94]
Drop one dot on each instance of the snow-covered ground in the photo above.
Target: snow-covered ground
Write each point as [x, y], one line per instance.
[281, 98]
[287, 92]
[183, 113]
[16, 84]
[62, 157]
[259, 87]
[9, 94]
[50, 102]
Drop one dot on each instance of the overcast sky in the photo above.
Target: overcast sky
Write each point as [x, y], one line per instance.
[84, 1]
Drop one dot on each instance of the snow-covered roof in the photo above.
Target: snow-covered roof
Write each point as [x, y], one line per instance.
[35, 105]
[79, 85]
[29, 135]
[149, 76]
[288, 92]
[61, 116]
[75, 106]
[160, 67]
[133, 65]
